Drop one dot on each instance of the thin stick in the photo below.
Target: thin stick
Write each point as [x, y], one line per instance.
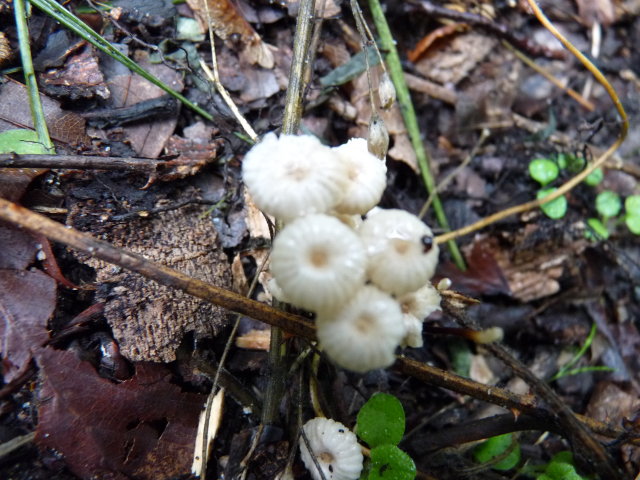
[410, 120]
[82, 162]
[570, 184]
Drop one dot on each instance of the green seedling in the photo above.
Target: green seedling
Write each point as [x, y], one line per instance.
[632, 215]
[543, 171]
[501, 452]
[561, 468]
[594, 177]
[555, 209]
[608, 204]
[381, 424]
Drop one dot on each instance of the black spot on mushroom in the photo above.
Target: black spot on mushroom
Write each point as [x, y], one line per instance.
[427, 243]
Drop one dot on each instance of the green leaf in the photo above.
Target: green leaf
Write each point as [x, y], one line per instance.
[632, 205]
[608, 204]
[597, 230]
[633, 223]
[21, 141]
[543, 170]
[544, 476]
[595, 177]
[381, 420]
[562, 471]
[495, 447]
[388, 462]
[555, 208]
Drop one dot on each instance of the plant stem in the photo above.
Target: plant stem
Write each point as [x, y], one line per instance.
[409, 115]
[290, 123]
[37, 113]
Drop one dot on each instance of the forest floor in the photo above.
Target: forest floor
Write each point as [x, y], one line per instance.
[106, 373]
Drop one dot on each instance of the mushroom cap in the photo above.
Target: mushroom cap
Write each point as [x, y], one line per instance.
[293, 175]
[422, 302]
[367, 176]
[402, 256]
[318, 262]
[335, 448]
[364, 333]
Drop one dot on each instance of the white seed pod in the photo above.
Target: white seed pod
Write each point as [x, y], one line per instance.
[378, 137]
[412, 332]
[318, 262]
[364, 333]
[367, 176]
[386, 91]
[402, 256]
[293, 175]
[422, 302]
[334, 447]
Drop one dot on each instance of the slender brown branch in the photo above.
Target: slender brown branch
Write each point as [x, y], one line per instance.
[81, 162]
[293, 324]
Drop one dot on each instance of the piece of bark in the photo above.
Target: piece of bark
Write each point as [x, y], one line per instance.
[149, 320]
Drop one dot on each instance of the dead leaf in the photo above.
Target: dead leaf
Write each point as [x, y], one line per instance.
[27, 300]
[18, 247]
[228, 23]
[596, 11]
[142, 428]
[65, 127]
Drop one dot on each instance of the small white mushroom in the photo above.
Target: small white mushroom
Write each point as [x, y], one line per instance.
[318, 262]
[422, 302]
[367, 176]
[293, 175]
[364, 334]
[334, 447]
[412, 332]
[401, 251]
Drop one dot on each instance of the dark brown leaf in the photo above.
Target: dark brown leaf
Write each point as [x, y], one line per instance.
[27, 300]
[142, 428]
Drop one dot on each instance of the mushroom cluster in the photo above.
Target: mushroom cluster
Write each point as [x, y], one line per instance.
[368, 281]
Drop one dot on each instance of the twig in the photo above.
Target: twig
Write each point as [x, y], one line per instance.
[81, 162]
[409, 115]
[546, 74]
[503, 31]
[293, 324]
[15, 443]
[570, 184]
[37, 113]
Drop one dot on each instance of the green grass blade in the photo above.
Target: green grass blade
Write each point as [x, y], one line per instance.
[37, 113]
[409, 115]
[70, 21]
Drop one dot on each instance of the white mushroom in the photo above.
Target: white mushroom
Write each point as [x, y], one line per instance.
[318, 262]
[364, 333]
[401, 251]
[422, 302]
[334, 447]
[367, 177]
[293, 175]
[412, 332]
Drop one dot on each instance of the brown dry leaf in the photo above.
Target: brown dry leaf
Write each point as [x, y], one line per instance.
[453, 63]
[18, 247]
[148, 139]
[228, 23]
[142, 428]
[149, 320]
[80, 78]
[65, 127]
[27, 300]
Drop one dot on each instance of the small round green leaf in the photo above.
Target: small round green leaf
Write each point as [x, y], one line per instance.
[21, 141]
[381, 420]
[633, 223]
[543, 170]
[562, 471]
[632, 205]
[388, 462]
[555, 208]
[495, 447]
[608, 204]
[543, 476]
[595, 177]
[597, 230]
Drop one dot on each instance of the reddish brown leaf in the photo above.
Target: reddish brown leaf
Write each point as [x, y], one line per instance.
[18, 247]
[27, 300]
[142, 428]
